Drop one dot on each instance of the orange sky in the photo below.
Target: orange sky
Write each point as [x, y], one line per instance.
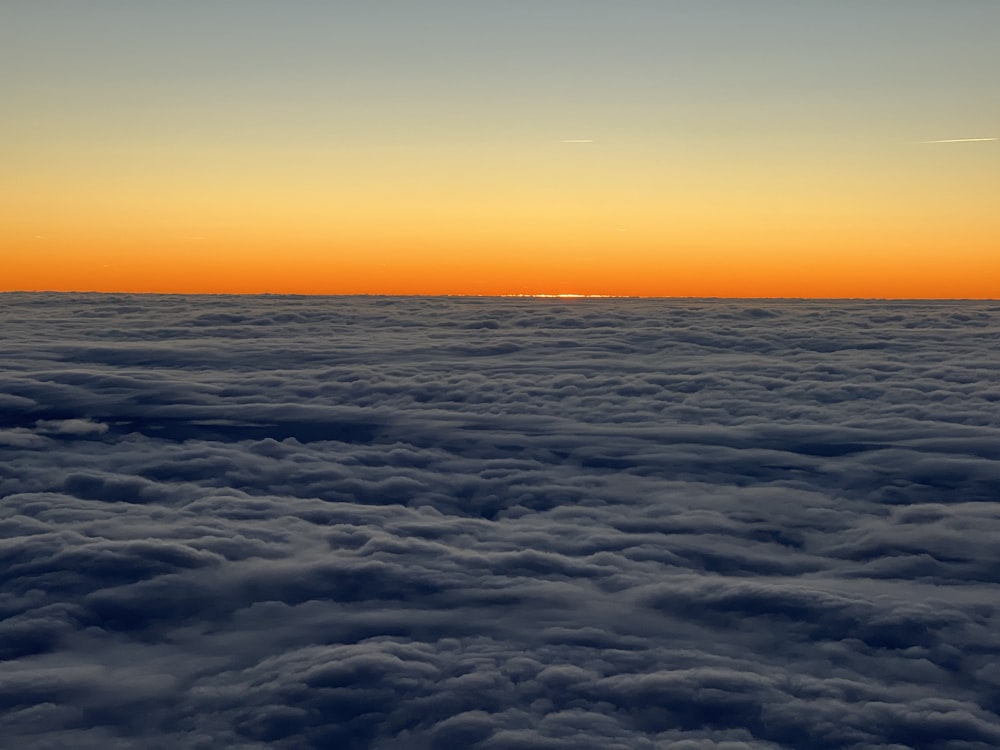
[613, 154]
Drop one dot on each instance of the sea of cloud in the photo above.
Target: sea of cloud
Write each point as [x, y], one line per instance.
[503, 524]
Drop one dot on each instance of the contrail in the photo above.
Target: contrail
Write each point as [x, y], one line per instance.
[961, 140]
[578, 140]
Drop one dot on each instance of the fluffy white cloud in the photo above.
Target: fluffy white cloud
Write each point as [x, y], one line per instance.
[71, 426]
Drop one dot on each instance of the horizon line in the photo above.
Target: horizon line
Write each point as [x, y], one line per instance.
[539, 296]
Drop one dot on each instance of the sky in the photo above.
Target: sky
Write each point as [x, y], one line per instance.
[426, 523]
[654, 148]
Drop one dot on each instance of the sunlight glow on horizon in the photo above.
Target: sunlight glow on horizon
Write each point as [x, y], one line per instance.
[333, 149]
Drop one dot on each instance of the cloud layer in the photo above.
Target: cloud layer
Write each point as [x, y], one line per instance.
[476, 523]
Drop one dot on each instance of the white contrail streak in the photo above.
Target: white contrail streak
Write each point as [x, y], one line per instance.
[578, 140]
[961, 140]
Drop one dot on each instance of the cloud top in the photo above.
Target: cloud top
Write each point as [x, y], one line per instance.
[498, 523]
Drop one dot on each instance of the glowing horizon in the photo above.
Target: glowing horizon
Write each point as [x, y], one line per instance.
[654, 150]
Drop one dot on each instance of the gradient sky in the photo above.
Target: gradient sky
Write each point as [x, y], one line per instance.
[646, 147]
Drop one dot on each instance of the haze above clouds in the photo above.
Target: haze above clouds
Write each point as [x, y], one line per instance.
[479, 523]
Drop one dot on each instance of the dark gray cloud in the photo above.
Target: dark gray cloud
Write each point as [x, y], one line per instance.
[477, 523]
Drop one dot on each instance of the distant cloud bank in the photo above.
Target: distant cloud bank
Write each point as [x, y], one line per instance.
[417, 523]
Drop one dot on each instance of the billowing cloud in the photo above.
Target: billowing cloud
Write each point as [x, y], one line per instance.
[476, 523]
[71, 426]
